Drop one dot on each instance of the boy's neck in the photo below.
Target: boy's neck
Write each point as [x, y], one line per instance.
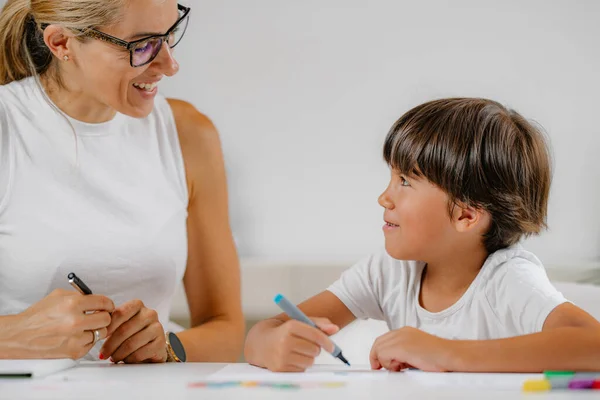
[447, 277]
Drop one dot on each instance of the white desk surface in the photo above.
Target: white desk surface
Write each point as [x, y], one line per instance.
[172, 381]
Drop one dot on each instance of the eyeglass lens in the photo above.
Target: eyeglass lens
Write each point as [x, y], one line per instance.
[146, 51]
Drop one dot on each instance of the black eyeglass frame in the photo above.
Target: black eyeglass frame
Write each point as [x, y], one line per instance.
[131, 45]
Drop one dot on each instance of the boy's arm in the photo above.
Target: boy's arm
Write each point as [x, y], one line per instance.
[282, 346]
[326, 305]
[570, 340]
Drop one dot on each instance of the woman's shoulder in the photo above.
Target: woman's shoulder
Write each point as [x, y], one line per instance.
[195, 129]
[17, 91]
[200, 145]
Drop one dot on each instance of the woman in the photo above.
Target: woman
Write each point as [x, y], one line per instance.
[101, 176]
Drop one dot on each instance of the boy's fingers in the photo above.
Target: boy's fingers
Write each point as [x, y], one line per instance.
[300, 361]
[305, 347]
[329, 329]
[311, 334]
[374, 356]
[375, 364]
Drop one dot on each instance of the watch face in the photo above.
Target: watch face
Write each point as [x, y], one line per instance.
[177, 346]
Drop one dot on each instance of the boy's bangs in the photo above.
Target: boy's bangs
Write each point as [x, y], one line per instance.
[436, 146]
[401, 150]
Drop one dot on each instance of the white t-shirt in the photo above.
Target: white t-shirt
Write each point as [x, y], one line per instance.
[510, 296]
[107, 201]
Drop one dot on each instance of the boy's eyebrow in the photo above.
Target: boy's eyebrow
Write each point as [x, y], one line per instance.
[411, 175]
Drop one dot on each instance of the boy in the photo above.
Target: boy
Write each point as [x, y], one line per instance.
[470, 178]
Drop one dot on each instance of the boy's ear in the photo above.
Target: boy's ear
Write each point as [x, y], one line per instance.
[467, 218]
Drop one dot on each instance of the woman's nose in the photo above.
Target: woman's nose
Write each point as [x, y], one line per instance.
[168, 64]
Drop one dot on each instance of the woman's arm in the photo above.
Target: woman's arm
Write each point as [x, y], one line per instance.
[212, 277]
[10, 344]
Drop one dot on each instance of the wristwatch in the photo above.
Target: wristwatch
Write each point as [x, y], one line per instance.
[175, 350]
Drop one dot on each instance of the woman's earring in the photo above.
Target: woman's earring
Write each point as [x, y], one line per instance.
[66, 57]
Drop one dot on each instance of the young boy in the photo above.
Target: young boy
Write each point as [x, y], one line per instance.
[470, 178]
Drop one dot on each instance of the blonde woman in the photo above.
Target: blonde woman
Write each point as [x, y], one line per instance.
[102, 176]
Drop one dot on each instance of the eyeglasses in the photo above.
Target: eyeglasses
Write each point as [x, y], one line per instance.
[144, 51]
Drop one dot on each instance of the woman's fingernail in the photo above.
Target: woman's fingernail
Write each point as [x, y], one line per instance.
[101, 356]
[111, 360]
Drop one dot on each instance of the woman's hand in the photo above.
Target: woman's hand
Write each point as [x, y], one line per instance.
[59, 327]
[135, 335]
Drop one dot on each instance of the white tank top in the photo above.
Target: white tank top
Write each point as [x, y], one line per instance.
[107, 201]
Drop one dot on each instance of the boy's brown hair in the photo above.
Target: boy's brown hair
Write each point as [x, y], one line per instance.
[481, 154]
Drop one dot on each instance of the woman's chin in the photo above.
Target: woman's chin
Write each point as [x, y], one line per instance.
[138, 110]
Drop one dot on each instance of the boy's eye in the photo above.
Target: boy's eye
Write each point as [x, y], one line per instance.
[403, 181]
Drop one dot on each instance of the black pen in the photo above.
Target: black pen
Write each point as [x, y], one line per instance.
[78, 284]
[83, 289]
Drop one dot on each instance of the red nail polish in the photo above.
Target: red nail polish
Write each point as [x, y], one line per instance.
[101, 356]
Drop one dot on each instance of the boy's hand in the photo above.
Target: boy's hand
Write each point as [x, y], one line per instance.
[409, 347]
[294, 344]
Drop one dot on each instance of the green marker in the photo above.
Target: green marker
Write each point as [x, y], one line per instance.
[558, 374]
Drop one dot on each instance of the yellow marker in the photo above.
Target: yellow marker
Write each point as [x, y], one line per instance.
[249, 384]
[541, 385]
[333, 384]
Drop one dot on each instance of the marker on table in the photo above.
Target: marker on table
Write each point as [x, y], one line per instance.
[78, 284]
[294, 312]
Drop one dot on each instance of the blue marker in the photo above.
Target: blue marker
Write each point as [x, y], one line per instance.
[295, 313]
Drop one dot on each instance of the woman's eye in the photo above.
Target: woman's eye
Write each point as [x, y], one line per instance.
[143, 48]
[404, 182]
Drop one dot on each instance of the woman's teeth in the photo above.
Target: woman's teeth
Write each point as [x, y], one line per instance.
[146, 86]
[388, 224]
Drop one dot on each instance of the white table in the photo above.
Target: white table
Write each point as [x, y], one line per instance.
[172, 381]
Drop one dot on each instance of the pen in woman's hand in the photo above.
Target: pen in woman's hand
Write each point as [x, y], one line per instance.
[78, 284]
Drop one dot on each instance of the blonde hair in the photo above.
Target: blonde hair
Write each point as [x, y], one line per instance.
[23, 52]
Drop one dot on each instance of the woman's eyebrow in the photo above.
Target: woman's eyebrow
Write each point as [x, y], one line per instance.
[143, 34]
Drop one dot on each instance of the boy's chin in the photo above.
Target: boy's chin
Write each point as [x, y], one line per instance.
[396, 253]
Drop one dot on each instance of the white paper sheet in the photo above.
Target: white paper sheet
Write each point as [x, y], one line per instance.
[33, 368]
[318, 373]
[471, 380]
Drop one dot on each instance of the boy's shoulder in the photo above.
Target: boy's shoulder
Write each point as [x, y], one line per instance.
[514, 271]
[511, 261]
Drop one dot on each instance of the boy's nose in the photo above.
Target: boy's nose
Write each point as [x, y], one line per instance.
[385, 202]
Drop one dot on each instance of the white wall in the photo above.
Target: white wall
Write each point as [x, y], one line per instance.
[303, 93]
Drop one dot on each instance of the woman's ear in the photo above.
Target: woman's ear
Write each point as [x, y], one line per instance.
[467, 218]
[58, 41]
